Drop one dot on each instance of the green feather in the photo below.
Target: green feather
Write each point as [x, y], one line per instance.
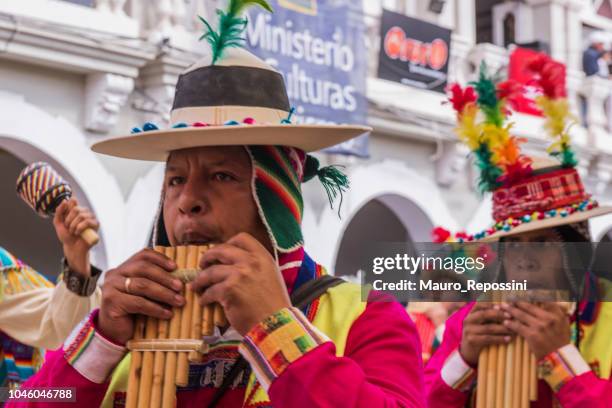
[489, 173]
[487, 97]
[566, 156]
[231, 27]
[236, 6]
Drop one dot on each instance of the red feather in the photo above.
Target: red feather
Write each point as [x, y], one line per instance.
[550, 76]
[509, 91]
[460, 97]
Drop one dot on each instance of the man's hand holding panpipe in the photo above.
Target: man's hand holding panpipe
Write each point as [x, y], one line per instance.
[483, 327]
[141, 285]
[244, 278]
[545, 327]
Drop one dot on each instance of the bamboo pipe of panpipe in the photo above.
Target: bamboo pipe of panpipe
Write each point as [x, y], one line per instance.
[500, 364]
[148, 357]
[481, 380]
[533, 378]
[525, 375]
[196, 318]
[169, 389]
[219, 316]
[182, 372]
[518, 363]
[501, 370]
[135, 366]
[509, 375]
[160, 356]
[146, 374]
[491, 372]
[208, 321]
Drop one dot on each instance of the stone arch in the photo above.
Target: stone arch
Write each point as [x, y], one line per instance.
[30, 134]
[401, 189]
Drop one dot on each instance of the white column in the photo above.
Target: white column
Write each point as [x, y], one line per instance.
[465, 19]
[549, 18]
[411, 7]
[574, 34]
[596, 90]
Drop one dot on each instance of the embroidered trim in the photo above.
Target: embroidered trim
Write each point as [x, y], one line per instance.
[150, 126]
[510, 223]
[457, 374]
[85, 351]
[277, 342]
[561, 366]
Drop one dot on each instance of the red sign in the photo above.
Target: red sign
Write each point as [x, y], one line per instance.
[399, 46]
[517, 71]
[413, 52]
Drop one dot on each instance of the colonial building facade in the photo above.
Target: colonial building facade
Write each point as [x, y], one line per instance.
[75, 72]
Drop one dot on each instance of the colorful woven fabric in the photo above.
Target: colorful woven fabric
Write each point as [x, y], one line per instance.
[17, 277]
[42, 188]
[542, 192]
[20, 362]
[277, 342]
[277, 176]
[9, 261]
[562, 365]
[81, 341]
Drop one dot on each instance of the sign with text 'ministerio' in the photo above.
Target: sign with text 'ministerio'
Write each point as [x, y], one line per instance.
[319, 47]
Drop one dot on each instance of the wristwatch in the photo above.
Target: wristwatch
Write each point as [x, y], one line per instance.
[77, 283]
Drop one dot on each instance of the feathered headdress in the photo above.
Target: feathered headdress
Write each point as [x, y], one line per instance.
[550, 76]
[482, 111]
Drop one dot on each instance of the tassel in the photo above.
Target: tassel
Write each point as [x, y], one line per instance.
[334, 181]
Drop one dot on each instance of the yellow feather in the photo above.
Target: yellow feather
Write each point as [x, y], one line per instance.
[468, 130]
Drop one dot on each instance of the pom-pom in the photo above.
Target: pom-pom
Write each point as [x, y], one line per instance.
[440, 235]
[149, 126]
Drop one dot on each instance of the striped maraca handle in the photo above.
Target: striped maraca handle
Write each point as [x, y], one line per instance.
[43, 189]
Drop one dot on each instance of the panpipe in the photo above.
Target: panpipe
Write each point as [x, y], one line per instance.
[162, 349]
[507, 373]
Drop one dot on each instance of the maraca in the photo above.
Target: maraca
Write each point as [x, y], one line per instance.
[43, 189]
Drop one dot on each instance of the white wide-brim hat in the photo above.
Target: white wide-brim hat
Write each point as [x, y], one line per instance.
[239, 100]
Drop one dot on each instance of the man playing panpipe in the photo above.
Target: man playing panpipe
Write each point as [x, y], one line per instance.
[573, 353]
[245, 199]
[34, 313]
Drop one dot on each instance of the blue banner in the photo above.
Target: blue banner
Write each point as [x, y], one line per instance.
[319, 47]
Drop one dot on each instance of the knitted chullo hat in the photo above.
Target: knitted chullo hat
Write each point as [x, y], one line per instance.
[277, 175]
[528, 193]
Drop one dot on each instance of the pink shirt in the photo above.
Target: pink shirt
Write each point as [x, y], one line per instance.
[449, 379]
[381, 368]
